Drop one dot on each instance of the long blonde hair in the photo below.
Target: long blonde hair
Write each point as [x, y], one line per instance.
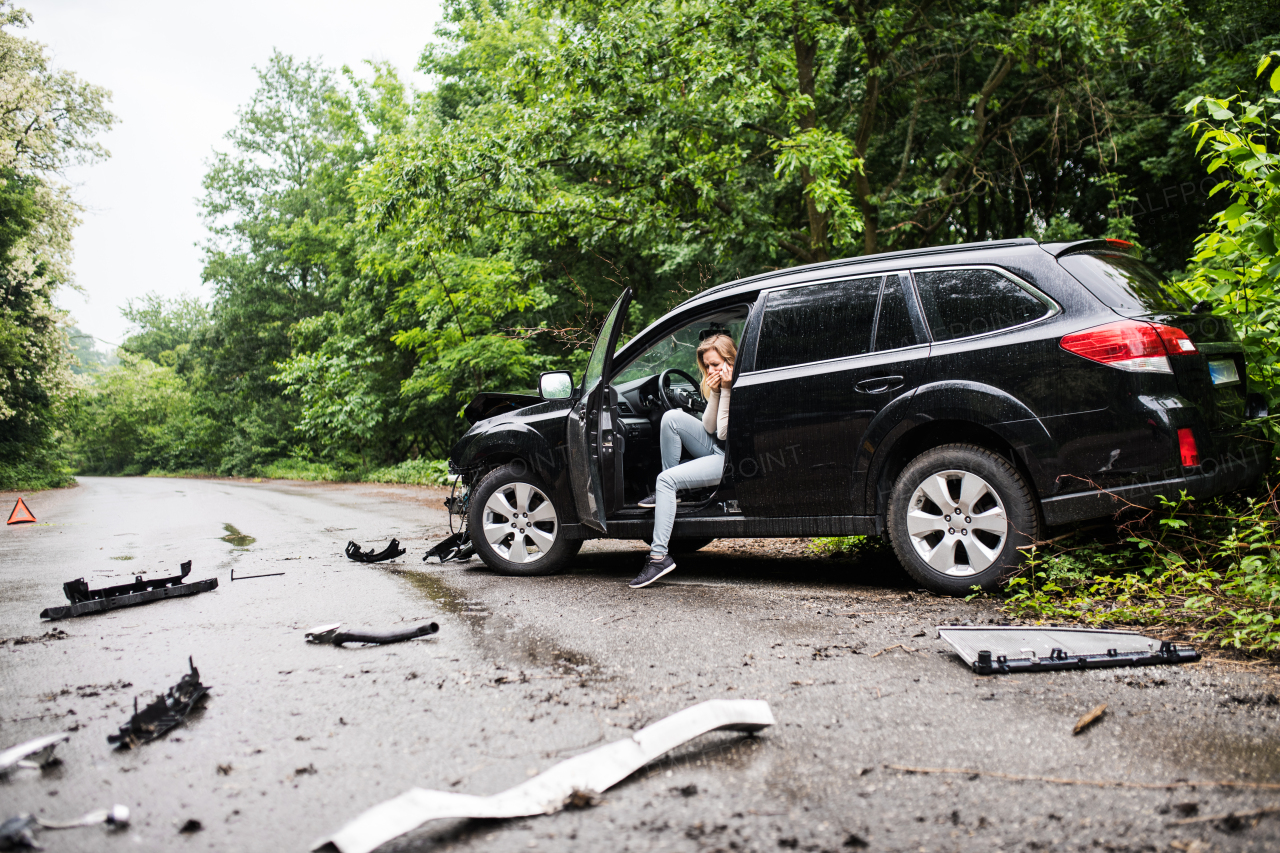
[721, 343]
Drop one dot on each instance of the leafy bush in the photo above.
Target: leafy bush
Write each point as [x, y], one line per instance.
[1237, 262]
[416, 472]
[1213, 573]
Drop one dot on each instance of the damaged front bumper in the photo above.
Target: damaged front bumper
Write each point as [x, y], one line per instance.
[84, 600]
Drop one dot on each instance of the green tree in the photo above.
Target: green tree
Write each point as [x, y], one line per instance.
[48, 119]
[1237, 262]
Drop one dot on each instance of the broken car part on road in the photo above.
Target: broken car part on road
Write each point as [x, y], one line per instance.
[19, 832]
[329, 634]
[1014, 649]
[388, 553]
[456, 547]
[33, 754]
[84, 600]
[577, 778]
[251, 577]
[167, 711]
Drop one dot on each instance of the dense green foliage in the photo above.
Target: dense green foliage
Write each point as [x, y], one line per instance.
[47, 120]
[377, 255]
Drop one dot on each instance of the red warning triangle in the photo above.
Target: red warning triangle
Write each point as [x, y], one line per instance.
[20, 514]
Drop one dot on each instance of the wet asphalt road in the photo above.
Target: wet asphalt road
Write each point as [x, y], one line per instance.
[294, 740]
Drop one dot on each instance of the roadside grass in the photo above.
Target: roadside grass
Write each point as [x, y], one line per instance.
[1207, 571]
[414, 472]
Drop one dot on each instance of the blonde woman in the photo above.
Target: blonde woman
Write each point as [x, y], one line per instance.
[705, 442]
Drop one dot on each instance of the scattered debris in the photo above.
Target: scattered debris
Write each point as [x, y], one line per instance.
[55, 634]
[891, 648]
[592, 772]
[117, 816]
[251, 577]
[309, 770]
[192, 825]
[991, 650]
[225, 769]
[329, 634]
[456, 547]
[686, 791]
[20, 514]
[163, 714]
[33, 754]
[19, 832]
[1089, 718]
[1054, 780]
[84, 600]
[388, 553]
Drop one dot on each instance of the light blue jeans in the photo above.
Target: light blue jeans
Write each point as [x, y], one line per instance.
[681, 429]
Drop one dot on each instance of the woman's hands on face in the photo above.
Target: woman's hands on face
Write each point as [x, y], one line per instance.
[713, 379]
[726, 375]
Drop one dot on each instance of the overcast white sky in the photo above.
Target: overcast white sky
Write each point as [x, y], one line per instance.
[177, 72]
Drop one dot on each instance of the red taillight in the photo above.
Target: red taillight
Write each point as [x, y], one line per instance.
[1130, 345]
[1187, 447]
[1117, 242]
[1175, 340]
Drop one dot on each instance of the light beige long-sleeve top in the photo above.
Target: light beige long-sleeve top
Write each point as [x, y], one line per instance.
[715, 419]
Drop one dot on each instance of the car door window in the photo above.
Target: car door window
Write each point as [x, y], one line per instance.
[818, 322]
[960, 303]
[679, 349]
[601, 350]
[894, 329]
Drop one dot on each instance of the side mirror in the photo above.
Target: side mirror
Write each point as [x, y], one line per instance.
[555, 385]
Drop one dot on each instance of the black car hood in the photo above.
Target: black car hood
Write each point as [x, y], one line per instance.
[487, 404]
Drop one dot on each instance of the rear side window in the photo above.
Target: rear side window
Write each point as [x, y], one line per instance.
[895, 330]
[1124, 283]
[818, 322]
[966, 302]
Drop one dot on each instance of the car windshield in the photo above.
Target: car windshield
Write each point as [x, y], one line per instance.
[1125, 283]
[679, 349]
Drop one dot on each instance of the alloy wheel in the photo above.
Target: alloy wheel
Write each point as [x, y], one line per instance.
[520, 523]
[957, 523]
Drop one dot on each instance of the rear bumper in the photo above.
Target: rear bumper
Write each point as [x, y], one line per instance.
[1238, 461]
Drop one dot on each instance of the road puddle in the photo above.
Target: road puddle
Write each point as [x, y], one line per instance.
[236, 538]
[499, 636]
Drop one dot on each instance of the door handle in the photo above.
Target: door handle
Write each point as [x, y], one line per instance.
[879, 384]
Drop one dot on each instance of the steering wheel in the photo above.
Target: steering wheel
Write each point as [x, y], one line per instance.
[673, 399]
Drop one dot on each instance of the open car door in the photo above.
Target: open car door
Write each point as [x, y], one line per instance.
[590, 428]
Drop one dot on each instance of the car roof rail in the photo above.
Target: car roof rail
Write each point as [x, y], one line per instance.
[858, 260]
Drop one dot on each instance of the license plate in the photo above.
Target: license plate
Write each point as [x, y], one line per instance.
[1223, 372]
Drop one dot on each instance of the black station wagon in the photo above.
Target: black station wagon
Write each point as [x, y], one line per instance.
[959, 400]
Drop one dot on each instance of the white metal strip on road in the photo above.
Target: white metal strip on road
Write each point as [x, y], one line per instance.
[591, 772]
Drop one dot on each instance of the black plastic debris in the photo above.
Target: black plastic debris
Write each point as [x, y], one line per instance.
[991, 650]
[388, 553]
[84, 600]
[456, 547]
[167, 711]
[330, 634]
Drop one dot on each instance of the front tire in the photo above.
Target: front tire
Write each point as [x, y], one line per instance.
[958, 515]
[516, 525]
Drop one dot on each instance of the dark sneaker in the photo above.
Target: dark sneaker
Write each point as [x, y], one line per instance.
[655, 568]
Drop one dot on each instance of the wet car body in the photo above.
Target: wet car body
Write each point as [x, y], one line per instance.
[816, 445]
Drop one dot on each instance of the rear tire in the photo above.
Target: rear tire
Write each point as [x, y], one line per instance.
[516, 525]
[958, 515]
